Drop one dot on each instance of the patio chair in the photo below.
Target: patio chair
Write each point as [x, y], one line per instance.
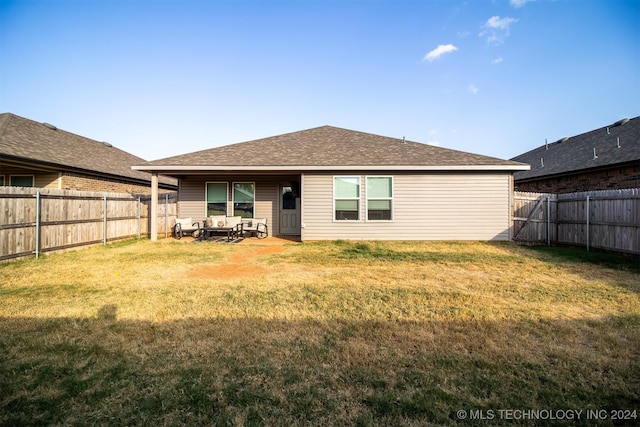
[256, 227]
[184, 225]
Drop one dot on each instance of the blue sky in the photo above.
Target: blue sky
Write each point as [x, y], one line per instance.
[161, 78]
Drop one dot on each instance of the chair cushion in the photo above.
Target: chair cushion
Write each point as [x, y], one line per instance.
[233, 221]
[186, 224]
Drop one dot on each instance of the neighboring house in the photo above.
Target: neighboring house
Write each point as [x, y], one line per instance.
[329, 183]
[34, 154]
[602, 159]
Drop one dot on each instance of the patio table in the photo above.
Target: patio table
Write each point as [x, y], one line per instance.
[205, 232]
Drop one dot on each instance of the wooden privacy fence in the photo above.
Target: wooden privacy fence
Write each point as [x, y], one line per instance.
[34, 220]
[608, 219]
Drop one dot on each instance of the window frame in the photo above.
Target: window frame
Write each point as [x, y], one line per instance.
[233, 198]
[357, 199]
[206, 197]
[390, 199]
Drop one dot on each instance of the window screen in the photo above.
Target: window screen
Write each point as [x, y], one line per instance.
[244, 194]
[379, 198]
[346, 191]
[21, 181]
[217, 198]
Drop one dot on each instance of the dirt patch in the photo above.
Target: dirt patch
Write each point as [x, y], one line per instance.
[239, 265]
[265, 250]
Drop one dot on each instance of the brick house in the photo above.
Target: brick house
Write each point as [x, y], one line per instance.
[34, 154]
[607, 158]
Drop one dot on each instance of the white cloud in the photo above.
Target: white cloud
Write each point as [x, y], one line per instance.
[519, 3]
[501, 23]
[497, 60]
[497, 29]
[474, 89]
[439, 51]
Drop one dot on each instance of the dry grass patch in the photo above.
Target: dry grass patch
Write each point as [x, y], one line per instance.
[334, 333]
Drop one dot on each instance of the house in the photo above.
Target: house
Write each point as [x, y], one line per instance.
[329, 183]
[602, 159]
[34, 154]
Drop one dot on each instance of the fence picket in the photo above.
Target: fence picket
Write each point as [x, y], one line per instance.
[613, 221]
[73, 218]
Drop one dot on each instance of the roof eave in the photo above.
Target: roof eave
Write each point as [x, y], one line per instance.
[25, 162]
[175, 168]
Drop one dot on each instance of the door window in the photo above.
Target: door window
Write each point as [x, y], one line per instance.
[288, 198]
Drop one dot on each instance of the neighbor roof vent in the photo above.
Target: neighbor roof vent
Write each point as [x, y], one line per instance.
[49, 125]
[565, 139]
[106, 143]
[620, 122]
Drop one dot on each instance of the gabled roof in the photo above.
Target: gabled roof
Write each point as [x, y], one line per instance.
[616, 144]
[31, 142]
[328, 148]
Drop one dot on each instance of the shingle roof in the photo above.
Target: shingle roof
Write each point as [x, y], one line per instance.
[615, 144]
[32, 141]
[327, 147]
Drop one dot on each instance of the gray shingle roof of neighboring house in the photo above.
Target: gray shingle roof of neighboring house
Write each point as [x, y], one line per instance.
[328, 147]
[34, 142]
[616, 144]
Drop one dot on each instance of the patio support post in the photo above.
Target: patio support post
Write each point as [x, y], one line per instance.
[166, 215]
[153, 213]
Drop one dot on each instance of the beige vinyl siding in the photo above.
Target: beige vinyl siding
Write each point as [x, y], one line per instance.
[430, 206]
[192, 196]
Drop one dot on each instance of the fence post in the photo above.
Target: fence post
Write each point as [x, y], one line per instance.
[587, 211]
[139, 217]
[37, 224]
[548, 222]
[104, 221]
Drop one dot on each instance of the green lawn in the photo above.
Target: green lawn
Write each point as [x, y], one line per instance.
[333, 333]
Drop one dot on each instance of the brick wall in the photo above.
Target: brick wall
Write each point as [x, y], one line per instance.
[610, 179]
[73, 181]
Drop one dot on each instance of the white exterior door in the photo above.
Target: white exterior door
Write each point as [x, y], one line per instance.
[289, 211]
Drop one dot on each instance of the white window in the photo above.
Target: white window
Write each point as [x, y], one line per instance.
[217, 198]
[346, 198]
[379, 198]
[244, 199]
